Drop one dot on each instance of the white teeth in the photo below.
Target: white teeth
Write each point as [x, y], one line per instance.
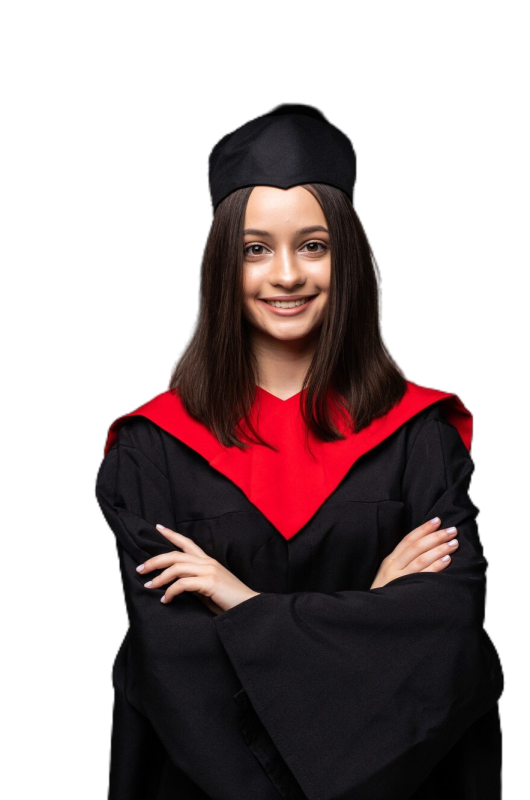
[287, 303]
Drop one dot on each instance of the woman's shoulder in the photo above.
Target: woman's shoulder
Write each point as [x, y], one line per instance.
[434, 411]
[440, 424]
[140, 432]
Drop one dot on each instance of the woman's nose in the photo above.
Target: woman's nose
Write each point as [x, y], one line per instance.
[285, 267]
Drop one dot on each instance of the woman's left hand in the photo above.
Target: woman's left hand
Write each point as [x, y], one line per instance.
[218, 588]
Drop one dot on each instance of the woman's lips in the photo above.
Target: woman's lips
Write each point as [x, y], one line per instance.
[289, 312]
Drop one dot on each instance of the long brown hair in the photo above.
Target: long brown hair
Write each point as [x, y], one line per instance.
[217, 374]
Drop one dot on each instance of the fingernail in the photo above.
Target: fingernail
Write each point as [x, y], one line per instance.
[435, 520]
[163, 599]
[148, 584]
[453, 542]
[140, 568]
[161, 527]
[446, 558]
[451, 530]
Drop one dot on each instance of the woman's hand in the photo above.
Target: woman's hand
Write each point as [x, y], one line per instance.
[218, 588]
[422, 550]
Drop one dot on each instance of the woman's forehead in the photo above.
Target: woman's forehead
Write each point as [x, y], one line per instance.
[282, 208]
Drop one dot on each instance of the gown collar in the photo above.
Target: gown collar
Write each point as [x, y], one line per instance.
[289, 486]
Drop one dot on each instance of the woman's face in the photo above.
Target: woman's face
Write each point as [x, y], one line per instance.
[287, 256]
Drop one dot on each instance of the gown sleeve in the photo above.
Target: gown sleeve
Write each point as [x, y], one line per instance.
[364, 692]
[171, 671]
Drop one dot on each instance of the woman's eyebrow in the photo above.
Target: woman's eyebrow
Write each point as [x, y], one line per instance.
[309, 229]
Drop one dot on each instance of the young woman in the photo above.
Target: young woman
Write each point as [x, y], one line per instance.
[302, 568]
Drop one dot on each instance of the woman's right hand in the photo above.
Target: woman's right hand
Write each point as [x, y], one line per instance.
[421, 550]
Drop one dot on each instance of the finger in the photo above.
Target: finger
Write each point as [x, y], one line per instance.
[184, 542]
[416, 534]
[438, 565]
[157, 562]
[423, 545]
[190, 584]
[167, 559]
[426, 560]
[180, 569]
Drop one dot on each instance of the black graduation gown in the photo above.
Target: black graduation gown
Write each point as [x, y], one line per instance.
[318, 687]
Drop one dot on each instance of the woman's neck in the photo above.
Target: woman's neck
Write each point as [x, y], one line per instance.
[282, 364]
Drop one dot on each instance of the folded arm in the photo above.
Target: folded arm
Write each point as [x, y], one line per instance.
[363, 692]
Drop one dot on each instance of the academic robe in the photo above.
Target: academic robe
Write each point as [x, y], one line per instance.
[318, 687]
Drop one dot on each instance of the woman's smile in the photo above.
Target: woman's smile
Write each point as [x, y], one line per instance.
[290, 307]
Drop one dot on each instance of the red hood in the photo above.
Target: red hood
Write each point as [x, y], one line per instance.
[290, 485]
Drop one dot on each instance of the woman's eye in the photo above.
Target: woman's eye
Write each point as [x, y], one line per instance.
[251, 249]
[313, 246]
[259, 249]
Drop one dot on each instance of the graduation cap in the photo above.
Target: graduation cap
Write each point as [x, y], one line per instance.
[290, 145]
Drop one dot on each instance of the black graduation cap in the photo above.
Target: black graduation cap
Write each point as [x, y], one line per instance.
[290, 145]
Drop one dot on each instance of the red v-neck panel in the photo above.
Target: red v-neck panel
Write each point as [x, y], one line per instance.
[274, 398]
[289, 486]
[268, 407]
